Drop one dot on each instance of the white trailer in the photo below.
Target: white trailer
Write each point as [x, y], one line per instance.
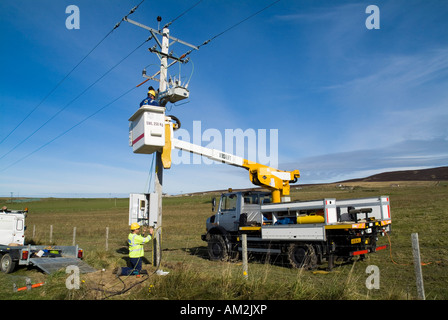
[14, 252]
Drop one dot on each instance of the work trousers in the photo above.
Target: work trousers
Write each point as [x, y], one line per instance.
[136, 267]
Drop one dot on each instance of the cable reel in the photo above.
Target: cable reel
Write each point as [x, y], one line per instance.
[177, 122]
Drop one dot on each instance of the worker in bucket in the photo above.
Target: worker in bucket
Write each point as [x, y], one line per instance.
[150, 99]
[136, 252]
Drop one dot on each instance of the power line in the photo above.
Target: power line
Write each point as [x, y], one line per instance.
[73, 100]
[71, 128]
[70, 72]
[183, 13]
[230, 28]
[116, 26]
[238, 23]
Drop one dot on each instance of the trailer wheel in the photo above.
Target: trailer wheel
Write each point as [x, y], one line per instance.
[6, 264]
[302, 256]
[217, 248]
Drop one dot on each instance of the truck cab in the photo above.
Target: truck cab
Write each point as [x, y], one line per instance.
[236, 209]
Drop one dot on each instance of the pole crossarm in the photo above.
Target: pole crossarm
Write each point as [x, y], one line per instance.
[169, 56]
[160, 33]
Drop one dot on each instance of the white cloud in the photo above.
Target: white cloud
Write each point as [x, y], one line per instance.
[403, 98]
[405, 155]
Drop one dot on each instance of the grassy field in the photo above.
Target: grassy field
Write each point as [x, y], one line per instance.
[416, 207]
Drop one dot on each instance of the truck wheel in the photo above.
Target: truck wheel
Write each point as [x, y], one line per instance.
[6, 264]
[217, 248]
[302, 256]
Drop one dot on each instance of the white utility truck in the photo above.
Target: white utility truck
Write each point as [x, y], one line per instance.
[306, 232]
[309, 232]
[14, 252]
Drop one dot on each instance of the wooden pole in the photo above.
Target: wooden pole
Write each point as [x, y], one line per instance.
[107, 238]
[418, 266]
[245, 267]
[51, 234]
[158, 188]
[158, 183]
[74, 236]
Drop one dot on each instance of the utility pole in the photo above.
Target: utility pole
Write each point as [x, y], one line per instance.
[158, 187]
[164, 55]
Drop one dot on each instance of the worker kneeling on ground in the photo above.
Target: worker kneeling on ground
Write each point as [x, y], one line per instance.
[136, 252]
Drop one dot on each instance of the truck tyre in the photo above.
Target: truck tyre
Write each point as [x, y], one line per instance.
[302, 256]
[217, 248]
[6, 264]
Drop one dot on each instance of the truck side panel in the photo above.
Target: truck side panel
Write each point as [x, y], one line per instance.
[380, 207]
[298, 232]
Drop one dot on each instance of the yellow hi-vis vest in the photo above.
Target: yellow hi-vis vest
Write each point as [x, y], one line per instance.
[136, 243]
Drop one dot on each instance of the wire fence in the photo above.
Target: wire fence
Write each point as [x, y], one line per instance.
[407, 265]
[101, 227]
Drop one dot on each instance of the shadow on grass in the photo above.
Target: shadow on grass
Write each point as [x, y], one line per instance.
[279, 260]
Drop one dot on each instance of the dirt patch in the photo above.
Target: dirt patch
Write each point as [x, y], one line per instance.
[102, 285]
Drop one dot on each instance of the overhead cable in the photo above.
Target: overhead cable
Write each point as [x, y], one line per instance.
[228, 29]
[71, 71]
[70, 129]
[169, 23]
[74, 99]
[237, 24]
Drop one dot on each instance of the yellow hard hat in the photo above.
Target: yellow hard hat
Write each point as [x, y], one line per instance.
[152, 92]
[135, 226]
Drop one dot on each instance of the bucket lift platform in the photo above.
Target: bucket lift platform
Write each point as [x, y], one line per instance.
[147, 129]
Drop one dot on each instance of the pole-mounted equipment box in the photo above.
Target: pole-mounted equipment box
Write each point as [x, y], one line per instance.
[143, 209]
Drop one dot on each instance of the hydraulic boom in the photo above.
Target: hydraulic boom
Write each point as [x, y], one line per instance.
[277, 181]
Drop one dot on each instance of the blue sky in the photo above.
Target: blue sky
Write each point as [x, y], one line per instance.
[347, 101]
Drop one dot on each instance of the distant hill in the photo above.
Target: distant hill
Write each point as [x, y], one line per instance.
[432, 174]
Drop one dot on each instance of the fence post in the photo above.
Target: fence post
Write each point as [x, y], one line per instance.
[74, 236]
[417, 266]
[51, 233]
[107, 238]
[244, 239]
[34, 232]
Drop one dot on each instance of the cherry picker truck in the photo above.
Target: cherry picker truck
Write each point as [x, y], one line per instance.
[307, 232]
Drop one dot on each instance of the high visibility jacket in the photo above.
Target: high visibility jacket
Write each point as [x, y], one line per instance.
[136, 243]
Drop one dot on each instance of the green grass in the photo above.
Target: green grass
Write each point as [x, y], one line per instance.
[415, 208]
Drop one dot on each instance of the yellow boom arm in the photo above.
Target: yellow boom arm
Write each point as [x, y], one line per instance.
[273, 179]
